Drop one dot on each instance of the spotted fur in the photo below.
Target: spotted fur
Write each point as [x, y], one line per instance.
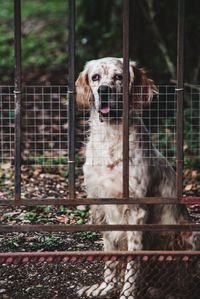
[147, 177]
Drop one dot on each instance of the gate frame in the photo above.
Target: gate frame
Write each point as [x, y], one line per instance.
[179, 199]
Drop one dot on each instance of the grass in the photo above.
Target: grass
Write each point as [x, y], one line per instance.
[87, 234]
[12, 242]
[49, 161]
[44, 35]
[46, 214]
[45, 242]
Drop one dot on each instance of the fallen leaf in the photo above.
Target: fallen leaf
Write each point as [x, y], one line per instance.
[194, 174]
[188, 187]
[62, 218]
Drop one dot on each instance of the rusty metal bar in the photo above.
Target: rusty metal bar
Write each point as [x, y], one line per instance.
[17, 96]
[103, 227]
[180, 95]
[125, 98]
[90, 201]
[63, 256]
[71, 103]
[191, 200]
[100, 201]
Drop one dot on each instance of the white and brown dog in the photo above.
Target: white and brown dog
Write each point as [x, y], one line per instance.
[99, 87]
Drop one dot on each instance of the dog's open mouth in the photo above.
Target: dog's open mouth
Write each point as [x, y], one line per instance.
[105, 110]
[110, 113]
[110, 108]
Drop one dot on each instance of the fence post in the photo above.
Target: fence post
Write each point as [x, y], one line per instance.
[126, 98]
[71, 97]
[17, 96]
[180, 97]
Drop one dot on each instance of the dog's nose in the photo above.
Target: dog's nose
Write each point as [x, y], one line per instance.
[104, 91]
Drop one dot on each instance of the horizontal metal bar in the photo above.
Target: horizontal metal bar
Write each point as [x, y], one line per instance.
[100, 201]
[59, 257]
[64, 256]
[103, 227]
[190, 200]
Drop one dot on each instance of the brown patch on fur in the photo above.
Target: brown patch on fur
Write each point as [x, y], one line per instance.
[140, 221]
[83, 90]
[136, 241]
[184, 238]
[137, 180]
[118, 195]
[143, 88]
[115, 163]
[111, 152]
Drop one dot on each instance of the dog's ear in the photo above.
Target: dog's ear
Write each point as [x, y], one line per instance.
[142, 88]
[83, 90]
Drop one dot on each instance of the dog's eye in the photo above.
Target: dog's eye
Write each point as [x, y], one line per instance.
[118, 77]
[96, 77]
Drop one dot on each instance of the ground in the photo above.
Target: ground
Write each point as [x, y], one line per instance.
[48, 280]
[55, 280]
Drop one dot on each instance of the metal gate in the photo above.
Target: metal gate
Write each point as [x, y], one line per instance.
[161, 274]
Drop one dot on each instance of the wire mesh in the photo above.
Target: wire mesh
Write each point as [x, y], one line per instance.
[45, 140]
[109, 276]
[192, 141]
[159, 117]
[7, 139]
[7, 114]
[45, 171]
[192, 124]
[45, 128]
[45, 125]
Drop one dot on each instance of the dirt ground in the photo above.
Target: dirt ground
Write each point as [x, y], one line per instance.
[44, 280]
[62, 280]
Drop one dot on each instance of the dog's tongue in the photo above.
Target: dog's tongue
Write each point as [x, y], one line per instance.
[105, 110]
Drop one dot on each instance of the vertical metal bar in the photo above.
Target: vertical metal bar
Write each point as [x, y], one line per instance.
[125, 98]
[71, 107]
[180, 97]
[17, 96]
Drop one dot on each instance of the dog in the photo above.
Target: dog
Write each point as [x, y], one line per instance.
[99, 87]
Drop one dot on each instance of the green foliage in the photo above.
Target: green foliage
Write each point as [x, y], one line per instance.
[49, 161]
[191, 128]
[7, 217]
[45, 38]
[98, 33]
[31, 216]
[87, 234]
[12, 242]
[99, 30]
[44, 35]
[2, 180]
[42, 214]
[46, 242]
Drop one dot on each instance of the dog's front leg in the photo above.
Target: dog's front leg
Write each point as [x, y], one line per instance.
[113, 270]
[132, 268]
[134, 239]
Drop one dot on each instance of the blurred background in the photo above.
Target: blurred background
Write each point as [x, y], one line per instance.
[99, 33]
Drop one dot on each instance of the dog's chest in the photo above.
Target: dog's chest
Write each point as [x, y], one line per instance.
[104, 148]
[104, 163]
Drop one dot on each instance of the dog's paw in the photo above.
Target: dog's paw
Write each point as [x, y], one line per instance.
[96, 290]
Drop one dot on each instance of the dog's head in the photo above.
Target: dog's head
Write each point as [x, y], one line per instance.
[100, 85]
